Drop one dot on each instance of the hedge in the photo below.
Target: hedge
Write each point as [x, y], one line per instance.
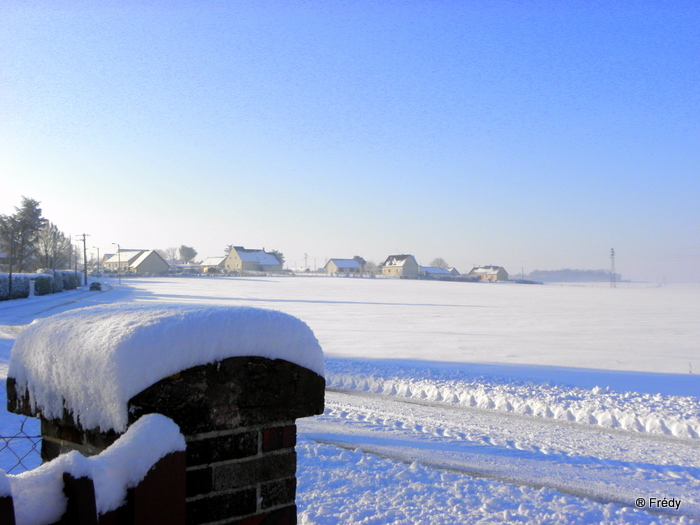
[44, 283]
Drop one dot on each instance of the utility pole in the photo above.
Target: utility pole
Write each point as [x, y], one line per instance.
[85, 236]
[612, 268]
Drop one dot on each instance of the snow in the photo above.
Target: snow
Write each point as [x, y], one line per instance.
[434, 270]
[212, 261]
[124, 256]
[474, 403]
[397, 260]
[635, 411]
[91, 360]
[257, 256]
[354, 487]
[120, 467]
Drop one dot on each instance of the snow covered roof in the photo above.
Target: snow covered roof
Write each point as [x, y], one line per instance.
[125, 256]
[93, 360]
[397, 260]
[486, 270]
[143, 257]
[346, 263]
[257, 256]
[213, 261]
[434, 270]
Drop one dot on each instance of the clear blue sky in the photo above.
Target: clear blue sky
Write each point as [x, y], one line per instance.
[528, 134]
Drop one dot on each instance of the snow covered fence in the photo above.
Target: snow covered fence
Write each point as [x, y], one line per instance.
[140, 478]
[233, 379]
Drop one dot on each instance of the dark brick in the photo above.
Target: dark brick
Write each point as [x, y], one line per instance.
[279, 437]
[285, 516]
[199, 481]
[278, 493]
[235, 446]
[236, 392]
[246, 473]
[222, 506]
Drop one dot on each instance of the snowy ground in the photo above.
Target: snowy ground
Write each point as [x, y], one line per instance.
[462, 402]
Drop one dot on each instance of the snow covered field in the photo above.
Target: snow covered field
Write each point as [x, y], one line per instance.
[464, 402]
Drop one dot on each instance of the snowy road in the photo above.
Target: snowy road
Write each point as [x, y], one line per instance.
[585, 461]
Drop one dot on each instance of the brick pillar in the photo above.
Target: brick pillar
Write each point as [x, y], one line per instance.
[238, 418]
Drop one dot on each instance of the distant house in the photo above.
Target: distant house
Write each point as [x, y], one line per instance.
[400, 266]
[454, 272]
[343, 267]
[240, 259]
[213, 264]
[136, 261]
[488, 273]
[434, 272]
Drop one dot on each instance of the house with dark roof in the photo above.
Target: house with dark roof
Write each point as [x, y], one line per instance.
[400, 266]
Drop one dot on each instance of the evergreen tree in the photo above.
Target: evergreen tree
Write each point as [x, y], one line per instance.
[18, 235]
[187, 253]
[279, 255]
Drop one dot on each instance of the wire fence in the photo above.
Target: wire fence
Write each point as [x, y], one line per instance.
[20, 445]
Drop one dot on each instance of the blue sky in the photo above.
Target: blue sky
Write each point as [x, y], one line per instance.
[535, 134]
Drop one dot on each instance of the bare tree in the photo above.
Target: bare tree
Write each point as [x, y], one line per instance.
[53, 247]
[170, 253]
[370, 267]
[439, 262]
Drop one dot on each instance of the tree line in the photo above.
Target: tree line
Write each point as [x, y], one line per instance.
[29, 241]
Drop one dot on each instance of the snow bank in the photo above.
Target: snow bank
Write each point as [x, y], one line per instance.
[38, 494]
[677, 416]
[93, 360]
